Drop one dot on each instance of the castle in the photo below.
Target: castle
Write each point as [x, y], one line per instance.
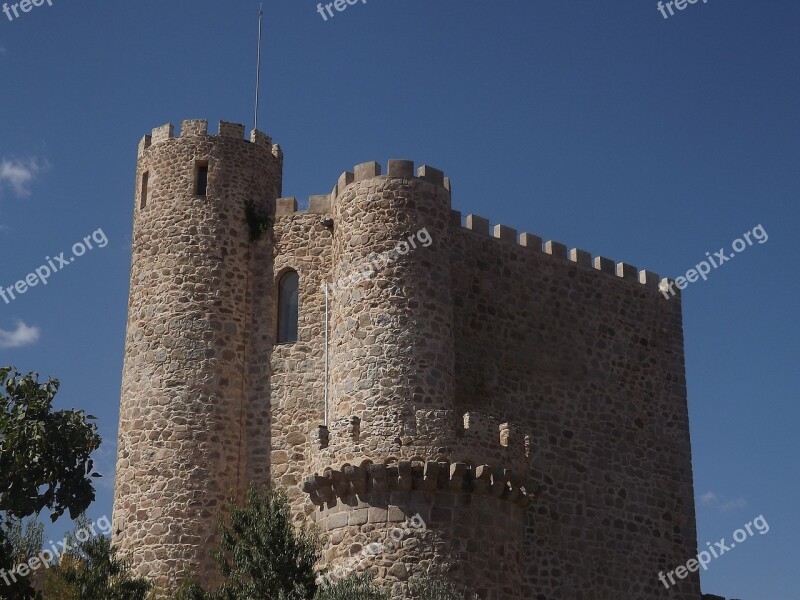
[382, 357]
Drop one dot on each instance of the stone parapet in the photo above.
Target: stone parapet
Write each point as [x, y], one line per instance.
[407, 476]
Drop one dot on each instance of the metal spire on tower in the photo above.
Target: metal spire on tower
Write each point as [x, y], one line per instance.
[258, 64]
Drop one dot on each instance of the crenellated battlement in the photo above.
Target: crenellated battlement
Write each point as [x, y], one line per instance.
[486, 431]
[319, 204]
[557, 250]
[474, 438]
[199, 128]
[404, 169]
[409, 476]
[396, 169]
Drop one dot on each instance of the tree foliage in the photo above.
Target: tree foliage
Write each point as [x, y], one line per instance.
[26, 537]
[191, 590]
[45, 463]
[20, 539]
[428, 588]
[262, 554]
[265, 556]
[93, 570]
[44, 454]
[355, 587]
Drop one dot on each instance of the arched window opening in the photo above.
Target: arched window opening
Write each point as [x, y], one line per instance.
[288, 307]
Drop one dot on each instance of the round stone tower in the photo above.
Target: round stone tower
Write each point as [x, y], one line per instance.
[186, 408]
[406, 483]
[392, 356]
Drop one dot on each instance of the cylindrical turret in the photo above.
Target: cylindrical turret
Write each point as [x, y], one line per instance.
[183, 444]
[392, 357]
[405, 483]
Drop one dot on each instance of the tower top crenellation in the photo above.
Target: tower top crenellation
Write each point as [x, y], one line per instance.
[199, 128]
[402, 169]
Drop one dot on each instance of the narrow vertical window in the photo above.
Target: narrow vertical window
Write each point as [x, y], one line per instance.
[143, 190]
[201, 178]
[288, 307]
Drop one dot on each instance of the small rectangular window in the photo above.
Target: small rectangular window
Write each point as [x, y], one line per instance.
[288, 289]
[143, 190]
[201, 188]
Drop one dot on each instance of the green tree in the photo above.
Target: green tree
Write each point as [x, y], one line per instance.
[191, 590]
[428, 588]
[55, 588]
[93, 570]
[26, 537]
[23, 540]
[355, 587]
[44, 454]
[45, 463]
[263, 555]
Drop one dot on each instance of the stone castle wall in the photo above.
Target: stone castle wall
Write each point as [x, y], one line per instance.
[526, 403]
[591, 364]
[302, 243]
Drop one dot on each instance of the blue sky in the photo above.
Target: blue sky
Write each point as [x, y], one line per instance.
[598, 124]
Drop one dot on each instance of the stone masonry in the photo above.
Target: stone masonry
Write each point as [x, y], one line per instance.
[525, 401]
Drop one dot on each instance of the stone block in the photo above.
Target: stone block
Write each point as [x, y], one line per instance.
[403, 169]
[649, 279]
[358, 517]
[627, 271]
[431, 175]
[285, 206]
[478, 224]
[530, 241]
[194, 127]
[504, 233]
[231, 130]
[606, 265]
[162, 133]
[345, 179]
[367, 170]
[377, 514]
[319, 204]
[340, 519]
[582, 257]
[556, 249]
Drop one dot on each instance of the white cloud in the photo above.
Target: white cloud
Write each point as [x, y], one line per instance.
[712, 500]
[19, 174]
[737, 504]
[708, 498]
[22, 336]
